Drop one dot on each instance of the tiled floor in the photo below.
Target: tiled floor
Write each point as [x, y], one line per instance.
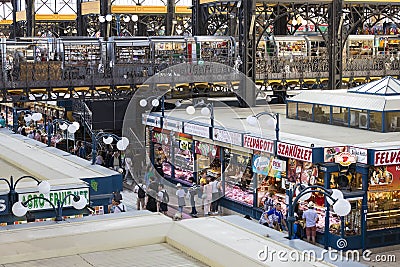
[144, 256]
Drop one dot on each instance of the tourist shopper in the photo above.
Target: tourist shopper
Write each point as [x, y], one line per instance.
[140, 190]
[311, 218]
[180, 193]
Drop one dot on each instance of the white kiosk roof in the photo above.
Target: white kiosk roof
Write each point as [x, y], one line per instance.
[45, 163]
[381, 95]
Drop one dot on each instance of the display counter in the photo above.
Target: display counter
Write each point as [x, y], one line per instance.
[236, 193]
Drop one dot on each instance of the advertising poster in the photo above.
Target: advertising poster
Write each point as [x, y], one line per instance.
[301, 172]
[268, 166]
[384, 178]
[331, 152]
[205, 149]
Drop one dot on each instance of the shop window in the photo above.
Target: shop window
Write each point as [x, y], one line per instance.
[322, 114]
[238, 176]
[392, 122]
[304, 112]
[383, 210]
[340, 116]
[208, 159]
[269, 179]
[183, 160]
[292, 110]
[375, 121]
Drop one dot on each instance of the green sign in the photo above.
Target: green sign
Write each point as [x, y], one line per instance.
[53, 197]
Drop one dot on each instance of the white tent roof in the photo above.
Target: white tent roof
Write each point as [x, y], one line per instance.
[385, 86]
[381, 95]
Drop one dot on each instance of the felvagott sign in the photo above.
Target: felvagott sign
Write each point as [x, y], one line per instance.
[53, 196]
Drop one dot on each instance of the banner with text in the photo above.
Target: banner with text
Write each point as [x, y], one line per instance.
[53, 197]
[294, 152]
[258, 143]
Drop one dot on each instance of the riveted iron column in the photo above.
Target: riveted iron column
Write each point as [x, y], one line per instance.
[30, 18]
[199, 26]
[104, 10]
[14, 18]
[79, 19]
[247, 40]
[335, 44]
[170, 17]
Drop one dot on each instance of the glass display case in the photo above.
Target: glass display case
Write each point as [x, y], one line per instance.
[238, 176]
[383, 210]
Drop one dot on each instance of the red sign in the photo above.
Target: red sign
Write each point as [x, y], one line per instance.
[388, 157]
[345, 159]
[258, 144]
[295, 152]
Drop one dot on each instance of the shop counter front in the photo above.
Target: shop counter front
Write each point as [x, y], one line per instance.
[384, 237]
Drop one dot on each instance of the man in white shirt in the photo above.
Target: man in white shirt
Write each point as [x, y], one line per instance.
[311, 218]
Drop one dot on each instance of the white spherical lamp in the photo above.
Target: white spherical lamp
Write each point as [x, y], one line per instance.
[178, 103]
[63, 126]
[72, 128]
[102, 19]
[342, 207]
[205, 111]
[120, 145]
[125, 142]
[36, 116]
[109, 17]
[336, 194]
[44, 187]
[135, 18]
[127, 19]
[155, 102]
[252, 120]
[19, 210]
[108, 140]
[143, 103]
[28, 118]
[79, 202]
[190, 110]
[77, 125]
